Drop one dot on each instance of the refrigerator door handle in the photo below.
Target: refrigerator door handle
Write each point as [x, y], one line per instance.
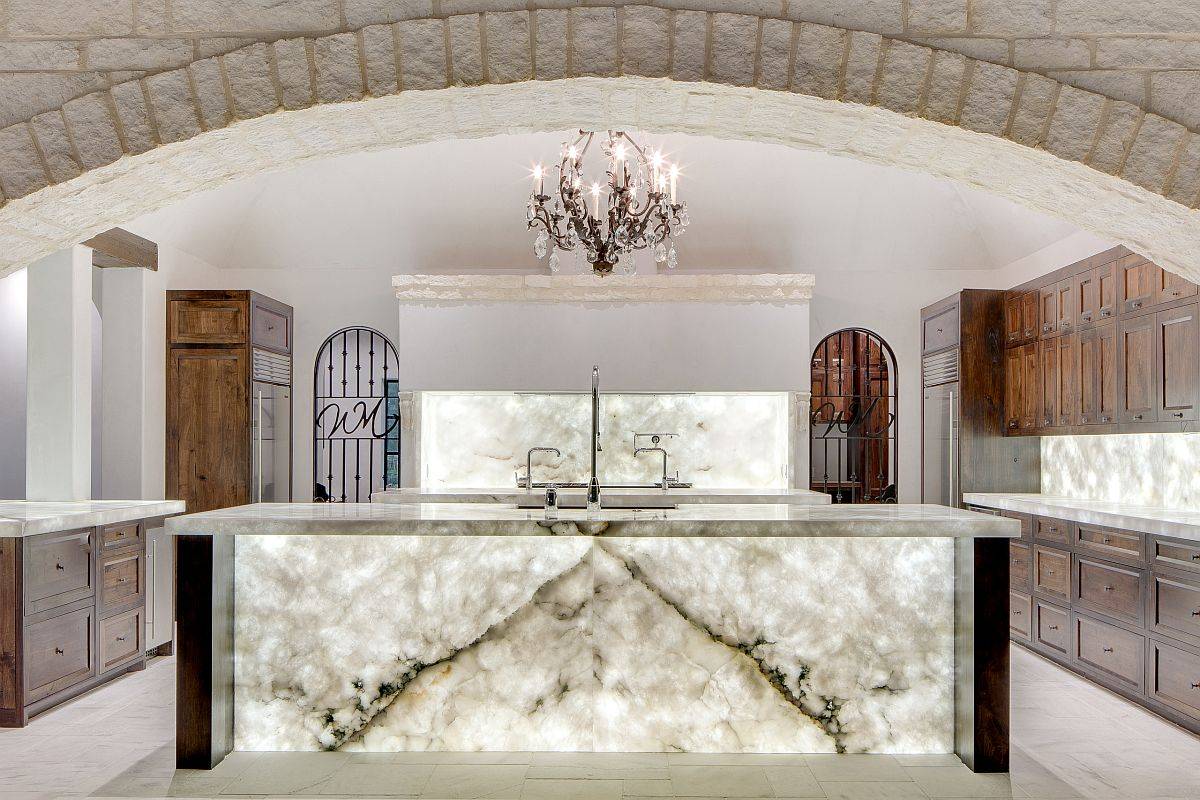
[258, 444]
[953, 491]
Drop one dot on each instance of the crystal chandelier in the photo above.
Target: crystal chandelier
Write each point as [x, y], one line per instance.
[638, 200]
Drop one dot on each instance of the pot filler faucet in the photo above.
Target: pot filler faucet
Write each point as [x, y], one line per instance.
[593, 494]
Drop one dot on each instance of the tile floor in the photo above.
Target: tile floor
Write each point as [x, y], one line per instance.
[1070, 740]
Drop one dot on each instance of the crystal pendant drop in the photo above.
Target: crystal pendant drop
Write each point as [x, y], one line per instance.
[539, 244]
[660, 252]
[554, 261]
[672, 259]
[627, 263]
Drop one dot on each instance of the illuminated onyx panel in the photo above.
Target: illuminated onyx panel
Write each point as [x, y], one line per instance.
[581, 643]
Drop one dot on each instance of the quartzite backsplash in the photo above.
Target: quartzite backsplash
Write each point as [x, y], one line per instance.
[726, 440]
[1152, 469]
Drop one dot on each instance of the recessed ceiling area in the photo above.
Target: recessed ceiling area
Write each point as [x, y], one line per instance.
[459, 206]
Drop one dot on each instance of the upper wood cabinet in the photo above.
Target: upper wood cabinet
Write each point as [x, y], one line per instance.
[1107, 284]
[1029, 315]
[1013, 332]
[1031, 405]
[1172, 287]
[1098, 375]
[1087, 295]
[1048, 402]
[1138, 283]
[1048, 310]
[1066, 401]
[1014, 388]
[220, 318]
[1177, 344]
[1066, 304]
[1137, 365]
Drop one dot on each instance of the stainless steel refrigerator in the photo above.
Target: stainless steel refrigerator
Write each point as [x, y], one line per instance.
[271, 429]
[940, 431]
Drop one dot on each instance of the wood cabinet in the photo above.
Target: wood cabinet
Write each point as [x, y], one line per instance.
[1030, 315]
[1138, 283]
[1013, 330]
[1031, 400]
[1014, 388]
[1137, 369]
[1067, 380]
[1065, 304]
[1098, 375]
[1048, 310]
[221, 347]
[1048, 402]
[1177, 356]
[1171, 287]
[71, 614]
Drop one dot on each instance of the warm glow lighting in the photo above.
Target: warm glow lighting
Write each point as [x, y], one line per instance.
[538, 175]
[674, 180]
[595, 200]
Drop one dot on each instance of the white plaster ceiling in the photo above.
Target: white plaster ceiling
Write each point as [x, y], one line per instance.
[459, 206]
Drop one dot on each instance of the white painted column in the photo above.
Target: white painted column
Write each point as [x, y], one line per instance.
[59, 377]
[123, 385]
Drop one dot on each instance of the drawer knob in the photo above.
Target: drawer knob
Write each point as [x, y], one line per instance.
[58, 651]
[1196, 557]
[59, 567]
[1049, 572]
[1108, 588]
[122, 580]
[1107, 540]
[1196, 685]
[1106, 419]
[120, 638]
[1017, 613]
[1196, 613]
[1053, 627]
[1178, 414]
[1108, 649]
[1137, 417]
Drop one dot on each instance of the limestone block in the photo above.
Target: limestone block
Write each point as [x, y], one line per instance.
[1176, 95]
[151, 17]
[1117, 130]
[69, 17]
[223, 16]
[593, 41]
[1052, 53]
[879, 16]
[989, 99]
[1073, 126]
[509, 54]
[689, 46]
[210, 93]
[817, 68]
[1134, 16]
[862, 66]
[1185, 184]
[645, 41]
[550, 44]
[249, 74]
[734, 44]
[423, 54]
[50, 130]
[39, 55]
[1153, 152]
[937, 16]
[129, 99]
[337, 67]
[293, 72]
[360, 13]
[1127, 85]
[945, 87]
[1033, 109]
[172, 106]
[466, 50]
[775, 54]
[93, 130]
[141, 54]
[982, 48]
[1012, 16]
[903, 77]
[20, 165]
[379, 56]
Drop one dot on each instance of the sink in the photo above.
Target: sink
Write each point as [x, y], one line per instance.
[617, 501]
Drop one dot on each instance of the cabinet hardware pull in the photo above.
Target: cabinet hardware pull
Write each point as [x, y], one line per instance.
[1137, 417]
[1196, 685]
[1108, 588]
[122, 580]
[1107, 540]
[1196, 613]
[60, 567]
[1196, 557]
[1108, 649]
[1177, 414]
[58, 651]
[1049, 572]
[1105, 312]
[1136, 304]
[1053, 627]
[1175, 293]
[1106, 419]
[120, 638]
[1017, 613]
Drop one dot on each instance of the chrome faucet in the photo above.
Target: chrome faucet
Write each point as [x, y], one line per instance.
[593, 494]
[529, 462]
[666, 479]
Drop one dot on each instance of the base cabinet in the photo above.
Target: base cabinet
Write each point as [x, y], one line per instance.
[1119, 607]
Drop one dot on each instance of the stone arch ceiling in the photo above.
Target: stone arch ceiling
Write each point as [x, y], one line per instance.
[1104, 163]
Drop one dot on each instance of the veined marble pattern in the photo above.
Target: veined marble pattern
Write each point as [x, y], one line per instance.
[406, 643]
[725, 439]
[1148, 469]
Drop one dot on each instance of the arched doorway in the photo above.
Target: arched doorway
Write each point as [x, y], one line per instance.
[852, 429]
[356, 416]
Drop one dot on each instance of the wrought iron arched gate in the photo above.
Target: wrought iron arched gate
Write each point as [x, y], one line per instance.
[356, 417]
[852, 427]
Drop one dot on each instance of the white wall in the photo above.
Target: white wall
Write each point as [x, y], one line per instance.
[12, 385]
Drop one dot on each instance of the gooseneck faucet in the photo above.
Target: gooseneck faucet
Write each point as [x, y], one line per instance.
[666, 480]
[593, 494]
[529, 462]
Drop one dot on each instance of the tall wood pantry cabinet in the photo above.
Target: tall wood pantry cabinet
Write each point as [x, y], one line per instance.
[229, 404]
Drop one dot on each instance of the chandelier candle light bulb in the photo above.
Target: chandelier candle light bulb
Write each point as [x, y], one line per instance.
[630, 222]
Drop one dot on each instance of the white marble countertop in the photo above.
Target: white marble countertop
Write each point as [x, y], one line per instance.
[20, 518]
[1176, 523]
[624, 497]
[699, 520]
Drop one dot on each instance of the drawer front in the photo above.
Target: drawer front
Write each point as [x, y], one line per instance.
[120, 639]
[270, 329]
[122, 535]
[1052, 530]
[1052, 572]
[59, 569]
[941, 330]
[1026, 522]
[58, 653]
[1052, 627]
[1110, 543]
[1109, 589]
[1175, 608]
[1019, 614]
[207, 321]
[1175, 678]
[1020, 570]
[1181, 555]
[121, 580]
[1111, 650]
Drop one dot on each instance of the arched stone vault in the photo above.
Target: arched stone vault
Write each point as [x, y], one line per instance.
[112, 155]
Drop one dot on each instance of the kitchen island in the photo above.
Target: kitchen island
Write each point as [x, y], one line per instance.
[706, 628]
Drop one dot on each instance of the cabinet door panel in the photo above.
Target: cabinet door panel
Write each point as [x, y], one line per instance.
[1066, 402]
[1048, 356]
[1138, 283]
[1172, 287]
[1048, 309]
[1178, 345]
[1107, 286]
[1014, 387]
[1012, 319]
[1031, 411]
[1066, 304]
[1029, 315]
[1087, 297]
[1106, 393]
[1138, 364]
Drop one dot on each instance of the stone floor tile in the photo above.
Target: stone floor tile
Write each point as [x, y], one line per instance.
[601, 760]
[571, 790]
[463, 782]
[934, 760]
[959, 781]
[543, 772]
[720, 782]
[286, 773]
[647, 788]
[793, 782]
[873, 790]
[736, 759]
[856, 768]
[401, 780]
